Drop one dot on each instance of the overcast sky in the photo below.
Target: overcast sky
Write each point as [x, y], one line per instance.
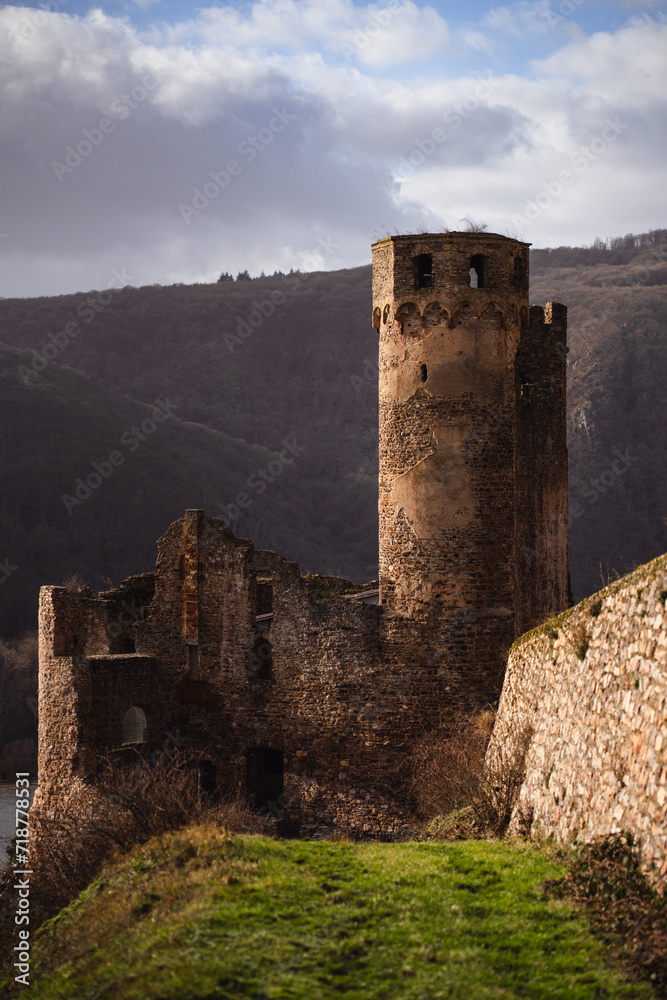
[151, 141]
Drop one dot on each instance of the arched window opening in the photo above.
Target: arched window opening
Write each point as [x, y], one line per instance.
[265, 775]
[423, 270]
[261, 660]
[376, 318]
[477, 268]
[135, 728]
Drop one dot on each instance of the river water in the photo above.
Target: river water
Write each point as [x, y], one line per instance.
[8, 817]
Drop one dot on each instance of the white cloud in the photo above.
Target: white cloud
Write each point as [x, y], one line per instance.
[521, 19]
[325, 146]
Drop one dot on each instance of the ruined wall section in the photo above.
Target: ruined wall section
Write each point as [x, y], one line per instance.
[84, 690]
[281, 666]
[541, 467]
[593, 686]
[447, 495]
[235, 652]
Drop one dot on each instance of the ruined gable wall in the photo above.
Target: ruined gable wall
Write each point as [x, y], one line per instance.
[593, 685]
[326, 705]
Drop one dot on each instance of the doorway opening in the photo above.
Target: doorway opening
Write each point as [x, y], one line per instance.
[265, 774]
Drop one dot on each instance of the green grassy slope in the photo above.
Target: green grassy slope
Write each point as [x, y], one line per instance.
[198, 915]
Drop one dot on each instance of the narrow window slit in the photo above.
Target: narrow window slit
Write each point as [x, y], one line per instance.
[424, 373]
[477, 271]
[423, 270]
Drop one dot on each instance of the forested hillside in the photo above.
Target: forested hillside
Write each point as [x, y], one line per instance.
[93, 478]
[248, 364]
[617, 396]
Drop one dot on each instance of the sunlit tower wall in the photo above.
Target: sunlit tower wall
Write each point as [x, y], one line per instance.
[473, 461]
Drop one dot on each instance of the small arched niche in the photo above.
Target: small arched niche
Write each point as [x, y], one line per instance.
[409, 318]
[135, 727]
[435, 314]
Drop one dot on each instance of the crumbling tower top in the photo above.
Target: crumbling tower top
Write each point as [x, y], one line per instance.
[431, 265]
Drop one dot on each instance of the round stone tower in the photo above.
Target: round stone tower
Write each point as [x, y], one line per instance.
[450, 309]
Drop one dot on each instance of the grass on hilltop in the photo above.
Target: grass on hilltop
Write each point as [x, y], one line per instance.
[201, 915]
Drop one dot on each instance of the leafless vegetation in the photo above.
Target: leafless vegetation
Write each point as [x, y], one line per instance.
[128, 805]
[454, 778]
[606, 876]
[18, 700]
[475, 227]
[76, 585]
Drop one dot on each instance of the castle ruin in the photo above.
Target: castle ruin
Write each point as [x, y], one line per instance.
[308, 690]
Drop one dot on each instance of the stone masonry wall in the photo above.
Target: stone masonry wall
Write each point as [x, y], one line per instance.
[593, 685]
[472, 460]
[275, 681]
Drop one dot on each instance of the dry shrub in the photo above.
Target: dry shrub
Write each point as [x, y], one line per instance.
[453, 775]
[128, 804]
[76, 585]
[607, 877]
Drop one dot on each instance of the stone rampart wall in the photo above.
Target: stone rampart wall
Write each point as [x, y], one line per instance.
[593, 685]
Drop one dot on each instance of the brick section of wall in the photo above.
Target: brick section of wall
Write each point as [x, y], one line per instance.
[593, 684]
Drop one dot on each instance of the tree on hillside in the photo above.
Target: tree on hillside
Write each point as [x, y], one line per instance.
[18, 690]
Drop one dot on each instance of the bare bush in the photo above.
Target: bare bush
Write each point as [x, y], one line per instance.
[452, 773]
[76, 585]
[129, 804]
[18, 704]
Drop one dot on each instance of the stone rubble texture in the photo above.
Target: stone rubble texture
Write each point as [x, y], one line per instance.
[473, 551]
